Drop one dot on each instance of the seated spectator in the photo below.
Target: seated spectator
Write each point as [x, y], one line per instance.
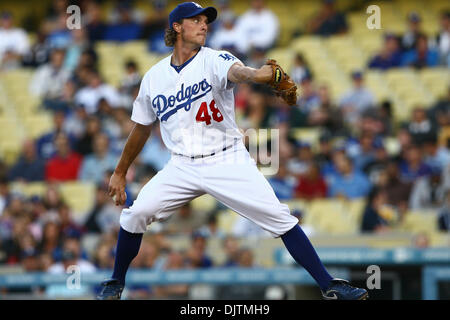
[196, 255]
[309, 99]
[389, 55]
[311, 184]
[444, 214]
[96, 89]
[49, 79]
[348, 182]
[439, 113]
[95, 165]
[323, 155]
[428, 192]
[259, 26]
[300, 69]
[29, 167]
[282, 183]
[300, 164]
[420, 127]
[79, 43]
[104, 256]
[131, 80]
[155, 153]
[230, 246]
[227, 36]
[154, 26]
[327, 115]
[357, 100]
[362, 151]
[45, 144]
[69, 227]
[51, 241]
[93, 22]
[185, 221]
[105, 215]
[409, 39]
[436, 157]
[328, 21]
[39, 52]
[124, 28]
[420, 56]
[14, 42]
[413, 167]
[84, 145]
[175, 261]
[375, 217]
[258, 113]
[65, 164]
[212, 229]
[442, 39]
[377, 164]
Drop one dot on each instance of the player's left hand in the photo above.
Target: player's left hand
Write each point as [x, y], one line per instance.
[282, 83]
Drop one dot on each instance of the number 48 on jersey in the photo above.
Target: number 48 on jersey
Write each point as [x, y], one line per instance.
[203, 114]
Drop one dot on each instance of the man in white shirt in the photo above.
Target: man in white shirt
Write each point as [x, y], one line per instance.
[90, 96]
[49, 79]
[13, 42]
[259, 26]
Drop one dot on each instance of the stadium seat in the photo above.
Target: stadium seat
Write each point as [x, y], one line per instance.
[204, 203]
[80, 196]
[420, 221]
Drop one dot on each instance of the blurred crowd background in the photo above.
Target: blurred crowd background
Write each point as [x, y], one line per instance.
[364, 155]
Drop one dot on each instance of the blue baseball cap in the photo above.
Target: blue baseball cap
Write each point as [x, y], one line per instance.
[189, 10]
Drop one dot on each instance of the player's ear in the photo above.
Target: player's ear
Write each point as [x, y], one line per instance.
[177, 27]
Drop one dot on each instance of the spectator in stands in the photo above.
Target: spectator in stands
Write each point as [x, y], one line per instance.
[389, 55]
[309, 99]
[357, 100]
[328, 21]
[154, 26]
[124, 26]
[93, 22]
[129, 82]
[39, 52]
[67, 224]
[84, 145]
[79, 43]
[96, 89]
[442, 40]
[196, 254]
[428, 192]
[29, 167]
[327, 115]
[413, 167]
[155, 153]
[300, 69]
[421, 55]
[375, 217]
[227, 36]
[300, 164]
[14, 42]
[230, 246]
[323, 155]
[362, 151]
[51, 240]
[104, 217]
[444, 214]
[49, 79]
[103, 256]
[185, 221]
[436, 157]
[94, 166]
[421, 240]
[410, 38]
[420, 127]
[45, 144]
[13, 245]
[311, 185]
[439, 113]
[212, 228]
[348, 182]
[378, 164]
[175, 261]
[259, 26]
[51, 199]
[283, 183]
[65, 164]
[258, 113]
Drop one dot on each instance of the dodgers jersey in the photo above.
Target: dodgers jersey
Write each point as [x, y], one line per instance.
[195, 106]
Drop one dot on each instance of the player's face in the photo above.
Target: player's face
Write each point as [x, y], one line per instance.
[194, 30]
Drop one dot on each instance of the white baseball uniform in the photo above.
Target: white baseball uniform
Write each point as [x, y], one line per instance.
[195, 106]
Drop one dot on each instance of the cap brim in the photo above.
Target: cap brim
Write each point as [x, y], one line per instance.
[209, 12]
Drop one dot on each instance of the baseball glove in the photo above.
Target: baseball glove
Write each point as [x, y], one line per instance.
[282, 83]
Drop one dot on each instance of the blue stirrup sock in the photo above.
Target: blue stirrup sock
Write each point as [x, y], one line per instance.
[301, 249]
[128, 245]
